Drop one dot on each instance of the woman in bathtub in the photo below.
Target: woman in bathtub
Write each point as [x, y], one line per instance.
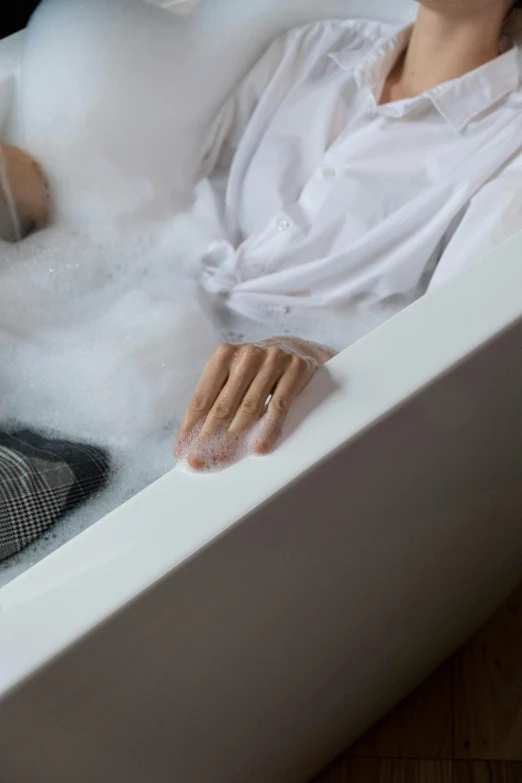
[362, 167]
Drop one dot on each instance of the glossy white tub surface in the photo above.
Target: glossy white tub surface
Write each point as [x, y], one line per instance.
[244, 626]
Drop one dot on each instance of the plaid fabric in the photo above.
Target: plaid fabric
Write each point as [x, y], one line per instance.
[40, 481]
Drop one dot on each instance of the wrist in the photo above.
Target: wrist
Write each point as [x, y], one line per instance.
[319, 353]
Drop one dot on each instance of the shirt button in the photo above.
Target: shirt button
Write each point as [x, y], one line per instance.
[283, 225]
[329, 172]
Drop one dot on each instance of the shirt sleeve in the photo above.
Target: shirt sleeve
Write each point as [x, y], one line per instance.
[492, 216]
[228, 127]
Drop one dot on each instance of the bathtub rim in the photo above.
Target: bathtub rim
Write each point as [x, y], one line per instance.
[100, 585]
[112, 562]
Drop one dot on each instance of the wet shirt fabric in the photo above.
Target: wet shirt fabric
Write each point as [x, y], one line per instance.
[326, 199]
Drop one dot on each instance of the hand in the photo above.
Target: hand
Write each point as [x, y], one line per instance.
[28, 187]
[231, 397]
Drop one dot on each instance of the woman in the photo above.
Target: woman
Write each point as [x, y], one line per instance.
[357, 161]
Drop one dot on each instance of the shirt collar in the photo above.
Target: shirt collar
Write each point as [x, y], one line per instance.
[459, 101]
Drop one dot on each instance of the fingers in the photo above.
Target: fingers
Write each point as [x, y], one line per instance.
[231, 398]
[215, 444]
[298, 374]
[244, 369]
[212, 381]
[253, 403]
[227, 376]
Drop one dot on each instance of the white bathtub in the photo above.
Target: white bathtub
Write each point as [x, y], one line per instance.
[243, 627]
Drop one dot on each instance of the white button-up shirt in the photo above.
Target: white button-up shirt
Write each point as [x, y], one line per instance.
[333, 201]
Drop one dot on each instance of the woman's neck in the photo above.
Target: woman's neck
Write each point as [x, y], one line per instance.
[442, 47]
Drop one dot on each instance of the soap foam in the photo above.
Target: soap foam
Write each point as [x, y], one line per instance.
[100, 341]
[102, 337]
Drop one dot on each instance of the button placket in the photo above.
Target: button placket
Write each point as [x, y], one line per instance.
[319, 188]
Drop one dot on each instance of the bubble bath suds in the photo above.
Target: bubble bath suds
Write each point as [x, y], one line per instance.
[102, 338]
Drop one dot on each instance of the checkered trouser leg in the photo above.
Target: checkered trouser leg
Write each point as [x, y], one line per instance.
[41, 480]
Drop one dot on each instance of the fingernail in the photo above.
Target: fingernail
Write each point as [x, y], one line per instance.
[196, 463]
[262, 448]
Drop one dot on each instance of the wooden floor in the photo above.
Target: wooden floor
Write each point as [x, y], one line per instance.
[462, 726]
